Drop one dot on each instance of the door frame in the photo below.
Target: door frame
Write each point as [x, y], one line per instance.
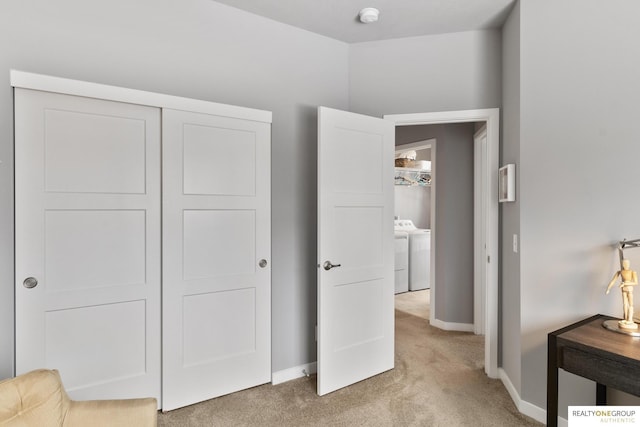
[479, 237]
[492, 118]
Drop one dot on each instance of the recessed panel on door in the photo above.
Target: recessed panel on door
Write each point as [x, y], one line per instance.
[358, 155]
[209, 315]
[365, 326]
[219, 243]
[89, 152]
[107, 343]
[219, 160]
[359, 229]
[107, 247]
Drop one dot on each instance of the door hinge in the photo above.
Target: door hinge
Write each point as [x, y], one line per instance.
[488, 259]
[316, 333]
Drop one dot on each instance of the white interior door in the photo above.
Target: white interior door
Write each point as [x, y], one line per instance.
[216, 256]
[88, 231]
[355, 234]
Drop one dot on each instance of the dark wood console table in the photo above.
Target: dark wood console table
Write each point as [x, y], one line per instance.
[587, 349]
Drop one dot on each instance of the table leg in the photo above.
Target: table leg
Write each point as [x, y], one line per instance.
[601, 394]
[552, 381]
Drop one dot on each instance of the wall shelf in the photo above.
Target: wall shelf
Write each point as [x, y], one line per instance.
[412, 177]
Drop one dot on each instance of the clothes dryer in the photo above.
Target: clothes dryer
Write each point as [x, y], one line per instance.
[401, 264]
[419, 254]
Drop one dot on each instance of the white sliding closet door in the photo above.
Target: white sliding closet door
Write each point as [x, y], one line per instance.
[88, 237]
[216, 256]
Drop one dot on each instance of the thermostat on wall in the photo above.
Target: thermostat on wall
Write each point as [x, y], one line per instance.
[507, 183]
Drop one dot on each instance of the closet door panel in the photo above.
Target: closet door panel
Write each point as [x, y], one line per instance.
[208, 237]
[97, 142]
[88, 230]
[72, 255]
[216, 256]
[219, 161]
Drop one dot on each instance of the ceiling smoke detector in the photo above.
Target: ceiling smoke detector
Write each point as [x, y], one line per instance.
[369, 15]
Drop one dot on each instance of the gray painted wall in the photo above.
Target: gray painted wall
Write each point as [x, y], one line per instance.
[458, 71]
[414, 203]
[579, 152]
[199, 49]
[510, 356]
[453, 230]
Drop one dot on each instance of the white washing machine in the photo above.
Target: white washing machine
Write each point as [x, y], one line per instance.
[401, 264]
[419, 254]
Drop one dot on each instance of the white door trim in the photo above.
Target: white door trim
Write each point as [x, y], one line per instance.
[432, 249]
[492, 117]
[46, 83]
[419, 145]
[479, 207]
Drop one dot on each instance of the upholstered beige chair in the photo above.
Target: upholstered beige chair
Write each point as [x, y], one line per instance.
[38, 399]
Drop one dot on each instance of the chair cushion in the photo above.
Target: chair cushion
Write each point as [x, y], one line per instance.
[112, 413]
[32, 399]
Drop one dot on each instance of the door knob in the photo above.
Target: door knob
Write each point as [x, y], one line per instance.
[328, 266]
[30, 282]
[262, 263]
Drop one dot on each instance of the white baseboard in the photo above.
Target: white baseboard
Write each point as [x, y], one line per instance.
[525, 407]
[450, 326]
[293, 373]
[506, 381]
[533, 411]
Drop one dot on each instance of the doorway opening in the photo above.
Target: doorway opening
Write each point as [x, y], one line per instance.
[412, 212]
[485, 242]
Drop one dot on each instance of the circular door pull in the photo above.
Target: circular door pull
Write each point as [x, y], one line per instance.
[30, 282]
[262, 263]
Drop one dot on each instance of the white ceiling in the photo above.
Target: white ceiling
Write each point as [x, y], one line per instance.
[338, 19]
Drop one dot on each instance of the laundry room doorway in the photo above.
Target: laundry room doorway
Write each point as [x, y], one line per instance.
[482, 247]
[413, 193]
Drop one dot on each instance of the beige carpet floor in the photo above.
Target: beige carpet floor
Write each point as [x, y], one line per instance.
[438, 380]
